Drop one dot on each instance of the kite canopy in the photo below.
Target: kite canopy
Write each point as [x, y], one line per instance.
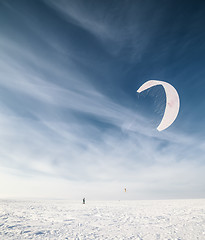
[172, 102]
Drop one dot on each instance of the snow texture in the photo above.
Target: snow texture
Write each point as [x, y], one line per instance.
[140, 220]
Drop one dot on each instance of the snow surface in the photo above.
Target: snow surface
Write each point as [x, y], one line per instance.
[60, 219]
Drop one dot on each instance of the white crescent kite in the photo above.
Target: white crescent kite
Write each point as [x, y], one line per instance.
[172, 102]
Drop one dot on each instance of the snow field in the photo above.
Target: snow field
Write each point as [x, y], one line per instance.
[139, 220]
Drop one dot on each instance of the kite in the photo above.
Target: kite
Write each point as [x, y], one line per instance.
[172, 102]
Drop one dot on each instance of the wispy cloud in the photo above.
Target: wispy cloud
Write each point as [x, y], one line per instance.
[120, 29]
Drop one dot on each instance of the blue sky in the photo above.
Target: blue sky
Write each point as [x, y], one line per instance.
[72, 124]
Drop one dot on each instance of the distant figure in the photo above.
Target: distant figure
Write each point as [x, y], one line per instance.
[83, 200]
[125, 189]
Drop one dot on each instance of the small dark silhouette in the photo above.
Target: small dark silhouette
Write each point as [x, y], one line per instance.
[83, 200]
